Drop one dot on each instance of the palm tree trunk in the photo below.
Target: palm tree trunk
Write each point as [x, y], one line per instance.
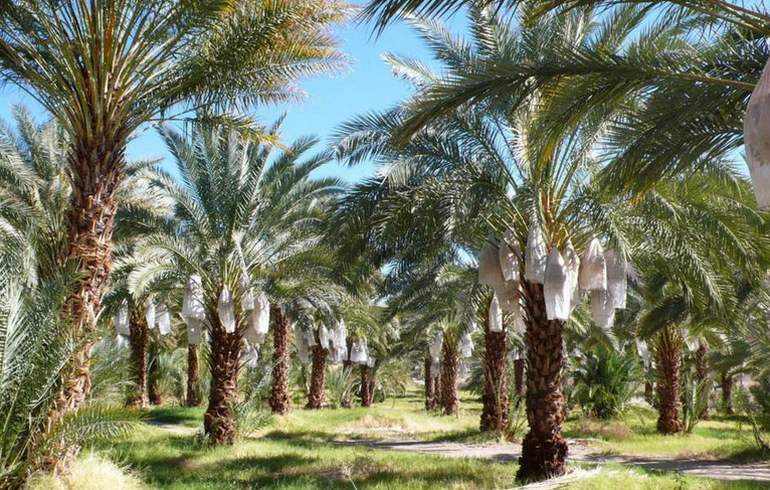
[279, 399]
[153, 381]
[430, 385]
[701, 372]
[193, 398]
[449, 400]
[218, 421]
[494, 414]
[366, 386]
[347, 398]
[317, 378]
[95, 163]
[544, 449]
[669, 351]
[727, 393]
[518, 377]
[138, 342]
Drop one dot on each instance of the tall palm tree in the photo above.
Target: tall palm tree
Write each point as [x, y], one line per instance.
[103, 69]
[479, 170]
[242, 215]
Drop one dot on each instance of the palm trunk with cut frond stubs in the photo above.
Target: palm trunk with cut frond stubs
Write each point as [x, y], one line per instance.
[430, 385]
[219, 421]
[366, 386]
[138, 342]
[153, 380]
[279, 397]
[518, 377]
[544, 448]
[669, 361]
[317, 379]
[494, 413]
[95, 162]
[727, 392]
[702, 374]
[449, 401]
[193, 394]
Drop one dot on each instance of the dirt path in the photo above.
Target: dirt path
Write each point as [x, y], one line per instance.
[581, 452]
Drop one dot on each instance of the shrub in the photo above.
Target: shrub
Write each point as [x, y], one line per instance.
[604, 381]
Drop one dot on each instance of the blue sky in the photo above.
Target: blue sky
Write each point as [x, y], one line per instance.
[366, 85]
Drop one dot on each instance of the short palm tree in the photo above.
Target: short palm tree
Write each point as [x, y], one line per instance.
[242, 217]
[103, 69]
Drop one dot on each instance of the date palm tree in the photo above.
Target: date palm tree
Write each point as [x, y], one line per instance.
[480, 171]
[242, 214]
[103, 69]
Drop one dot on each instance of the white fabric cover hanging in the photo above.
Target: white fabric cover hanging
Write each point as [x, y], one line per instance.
[149, 312]
[508, 297]
[359, 352]
[509, 260]
[644, 352]
[617, 271]
[518, 326]
[324, 337]
[756, 137]
[495, 317]
[593, 267]
[192, 302]
[572, 267]
[251, 357]
[339, 337]
[121, 342]
[225, 310]
[164, 320]
[466, 345]
[435, 367]
[194, 330]
[490, 273]
[536, 255]
[602, 310]
[556, 290]
[303, 349]
[371, 361]
[121, 320]
[435, 346]
[259, 316]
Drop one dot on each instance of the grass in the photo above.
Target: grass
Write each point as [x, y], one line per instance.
[304, 450]
[635, 435]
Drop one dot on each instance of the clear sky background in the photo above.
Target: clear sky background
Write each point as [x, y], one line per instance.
[366, 85]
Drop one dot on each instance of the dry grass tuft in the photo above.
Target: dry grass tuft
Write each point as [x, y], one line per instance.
[90, 472]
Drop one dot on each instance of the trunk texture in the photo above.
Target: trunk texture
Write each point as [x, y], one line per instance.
[138, 341]
[153, 381]
[449, 400]
[430, 385]
[701, 371]
[95, 162]
[727, 393]
[224, 363]
[193, 398]
[317, 379]
[279, 399]
[544, 448]
[669, 351]
[518, 377]
[366, 386]
[494, 414]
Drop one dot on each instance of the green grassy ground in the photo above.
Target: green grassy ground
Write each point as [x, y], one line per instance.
[304, 450]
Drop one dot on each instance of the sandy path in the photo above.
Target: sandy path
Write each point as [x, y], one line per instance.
[582, 452]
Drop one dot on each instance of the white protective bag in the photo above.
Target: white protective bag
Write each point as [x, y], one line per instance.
[121, 320]
[490, 273]
[340, 336]
[466, 346]
[495, 317]
[644, 352]
[371, 361]
[192, 302]
[756, 128]
[508, 297]
[593, 267]
[121, 342]
[194, 330]
[149, 312]
[509, 260]
[572, 266]
[251, 357]
[602, 310]
[164, 320]
[617, 270]
[226, 310]
[324, 337]
[556, 291]
[435, 346]
[536, 255]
